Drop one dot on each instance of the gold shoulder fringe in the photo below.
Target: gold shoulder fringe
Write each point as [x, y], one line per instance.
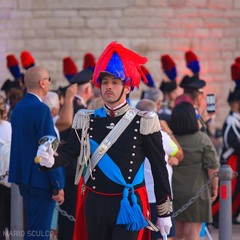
[80, 118]
[149, 122]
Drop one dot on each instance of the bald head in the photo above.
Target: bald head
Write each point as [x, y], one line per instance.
[32, 77]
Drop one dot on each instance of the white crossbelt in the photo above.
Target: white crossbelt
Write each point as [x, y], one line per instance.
[109, 140]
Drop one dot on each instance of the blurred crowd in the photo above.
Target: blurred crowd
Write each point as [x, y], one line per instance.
[181, 117]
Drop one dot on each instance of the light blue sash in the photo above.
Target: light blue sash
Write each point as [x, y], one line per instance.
[128, 215]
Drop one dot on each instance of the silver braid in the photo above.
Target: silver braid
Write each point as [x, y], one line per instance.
[84, 156]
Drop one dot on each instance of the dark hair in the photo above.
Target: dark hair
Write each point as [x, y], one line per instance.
[184, 119]
[193, 93]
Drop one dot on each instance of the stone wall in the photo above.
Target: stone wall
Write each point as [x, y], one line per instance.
[53, 29]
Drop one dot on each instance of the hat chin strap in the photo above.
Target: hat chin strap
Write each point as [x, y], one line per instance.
[118, 97]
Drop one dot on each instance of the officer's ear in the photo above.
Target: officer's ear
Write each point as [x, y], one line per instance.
[127, 89]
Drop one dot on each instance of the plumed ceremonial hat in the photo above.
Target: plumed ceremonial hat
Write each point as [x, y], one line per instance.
[8, 85]
[192, 82]
[235, 75]
[122, 63]
[89, 61]
[167, 87]
[237, 60]
[13, 66]
[82, 77]
[169, 67]
[27, 60]
[192, 62]
[69, 68]
[150, 81]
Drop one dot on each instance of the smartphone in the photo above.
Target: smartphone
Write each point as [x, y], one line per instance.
[211, 103]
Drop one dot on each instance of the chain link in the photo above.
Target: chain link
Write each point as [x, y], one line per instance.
[183, 208]
[195, 197]
[5, 175]
[65, 214]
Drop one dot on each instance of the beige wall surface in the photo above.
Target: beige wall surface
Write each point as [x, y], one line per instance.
[54, 29]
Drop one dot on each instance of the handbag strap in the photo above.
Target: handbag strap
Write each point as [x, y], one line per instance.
[110, 139]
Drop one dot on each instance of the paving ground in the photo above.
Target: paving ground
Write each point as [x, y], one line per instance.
[214, 233]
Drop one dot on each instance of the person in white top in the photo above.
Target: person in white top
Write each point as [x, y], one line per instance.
[5, 190]
[173, 154]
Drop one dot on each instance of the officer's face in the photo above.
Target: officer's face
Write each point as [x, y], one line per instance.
[112, 90]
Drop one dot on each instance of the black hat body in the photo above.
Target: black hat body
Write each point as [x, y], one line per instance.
[82, 77]
[192, 82]
[167, 87]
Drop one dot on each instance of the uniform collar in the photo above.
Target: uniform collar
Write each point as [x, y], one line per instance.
[117, 111]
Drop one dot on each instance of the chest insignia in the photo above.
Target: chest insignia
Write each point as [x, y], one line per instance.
[111, 126]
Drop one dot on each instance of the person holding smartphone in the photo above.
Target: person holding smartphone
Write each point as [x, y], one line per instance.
[193, 93]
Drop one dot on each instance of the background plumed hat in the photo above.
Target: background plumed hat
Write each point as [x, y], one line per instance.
[192, 62]
[235, 75]
[8, 85]
[237, 60]
[82, 77]
[13, 66]
[69, 68]
[150, 81]
[192, 82]
[121, 63]
[89, 61]
[169, 68]
[27, 60]
[167, 87]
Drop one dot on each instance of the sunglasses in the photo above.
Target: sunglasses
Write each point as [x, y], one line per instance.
[47, 78]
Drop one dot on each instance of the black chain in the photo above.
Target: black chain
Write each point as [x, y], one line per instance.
[5, 175]
[195, 197]
[65, 214]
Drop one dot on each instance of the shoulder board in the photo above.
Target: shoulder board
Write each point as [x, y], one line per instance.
[82, 118]
[149, 122]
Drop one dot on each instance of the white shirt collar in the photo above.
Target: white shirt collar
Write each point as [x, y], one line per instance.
[120, 105]
[36, 96]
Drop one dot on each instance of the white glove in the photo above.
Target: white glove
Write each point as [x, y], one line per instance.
[45, 154]
[164, 224]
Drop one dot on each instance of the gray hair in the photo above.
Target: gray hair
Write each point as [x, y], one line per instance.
[51, 100]
[146, 105]
[154, 94]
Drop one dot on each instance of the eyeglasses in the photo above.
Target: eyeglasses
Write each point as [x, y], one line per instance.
[47, 78]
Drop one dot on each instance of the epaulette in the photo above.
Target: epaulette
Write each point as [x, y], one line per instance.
[81, 119]
[149, 122]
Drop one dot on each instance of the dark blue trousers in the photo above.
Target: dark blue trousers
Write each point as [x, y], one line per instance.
[39, 208]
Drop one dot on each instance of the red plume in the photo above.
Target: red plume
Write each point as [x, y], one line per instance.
[192, 62]
[237, 60]
[89, 61]
[69, 68]
[27, 60]
[167, 63]
[235, 71]
[130, 61]
[11, 61]
[190, 56]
